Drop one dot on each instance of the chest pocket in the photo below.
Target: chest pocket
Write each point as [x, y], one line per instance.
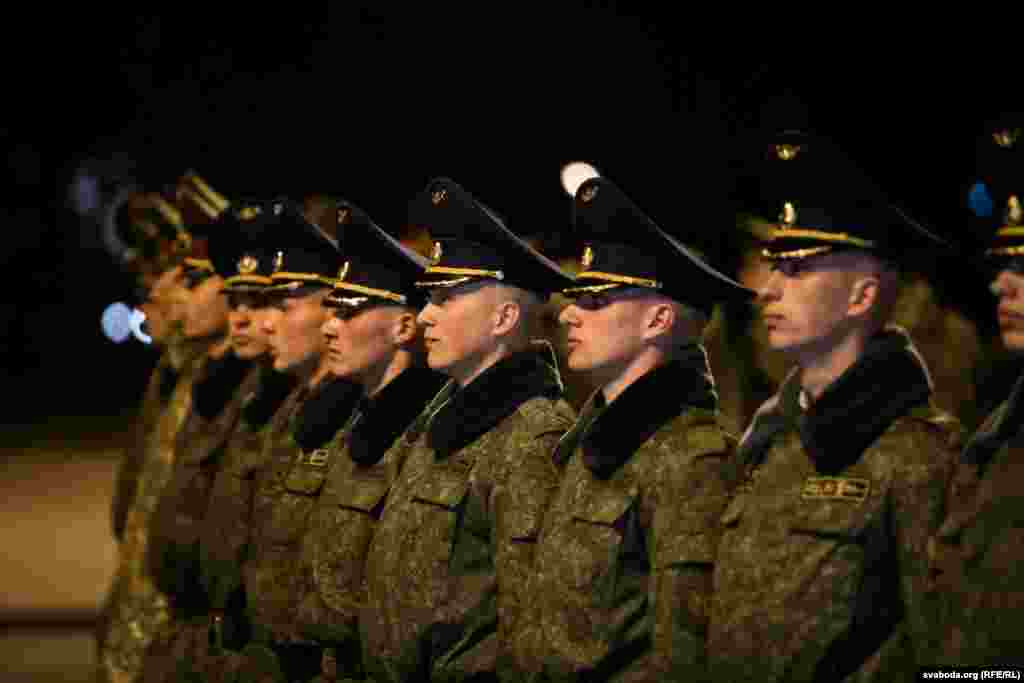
[309, 472]
[607, 543]
[837, 507]
[440, 499]
[364, 495]
[290, 513]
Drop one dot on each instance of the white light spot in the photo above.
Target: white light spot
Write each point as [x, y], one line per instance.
[136, 320]
[116, 322]
[575, 174]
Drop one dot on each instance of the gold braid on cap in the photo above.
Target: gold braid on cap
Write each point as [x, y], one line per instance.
[619, 279]
[380, 293]
[248, 280]
[837, 237]
[297, 278]
[465, 274]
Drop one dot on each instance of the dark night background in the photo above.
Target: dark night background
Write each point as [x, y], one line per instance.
[370, 104]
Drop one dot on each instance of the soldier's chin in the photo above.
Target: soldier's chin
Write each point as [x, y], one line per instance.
[248, 350]
[1013, 340]
[436, 361]
[578, 361]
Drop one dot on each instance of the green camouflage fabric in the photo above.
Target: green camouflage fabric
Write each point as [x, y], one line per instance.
[136, 610]
[626, 553]
[173, 560]
[158, 392]
[362, 468]
[283, 504]
[447, 568]
[821, 572]
[260, 579]
[978, 553]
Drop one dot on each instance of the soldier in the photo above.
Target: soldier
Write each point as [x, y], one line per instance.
[821, 569]
[625, 554]
[293, 465]
[230, 375]
[373, 340]
[977, 552]
[136, 609]
[447, 567]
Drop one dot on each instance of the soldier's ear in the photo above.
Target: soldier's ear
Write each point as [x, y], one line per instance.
[660, 318]
[863, 295]
[506, 317]
[404, 329]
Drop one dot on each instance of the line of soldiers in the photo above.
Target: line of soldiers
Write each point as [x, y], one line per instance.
[357, 462]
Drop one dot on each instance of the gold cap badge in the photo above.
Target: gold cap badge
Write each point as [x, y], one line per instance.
[435, 255]
[588, 193]
[1006, 137]
[588, 257]
[1014, 213]
[279, 261]
[437, 197]
[787, 152]
[247, 264]
[343, 272]
[788, 215]
[343, 215]
[249, 212]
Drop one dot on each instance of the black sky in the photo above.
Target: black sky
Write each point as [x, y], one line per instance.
[370, 104]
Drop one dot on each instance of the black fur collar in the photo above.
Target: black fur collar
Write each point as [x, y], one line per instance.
[888, 380]
[1003, 424]
[219, 380]
[378, 421]
[621, 427]
[324, 411]
[494, 395]
[270, 392]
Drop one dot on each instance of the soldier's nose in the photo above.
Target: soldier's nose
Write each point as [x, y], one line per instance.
[330, 328]
[769, 289]
[569, 315]
[425, 316]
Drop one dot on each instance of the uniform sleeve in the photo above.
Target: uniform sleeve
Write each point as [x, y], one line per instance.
[693, 494]
[130, 469]
[520, 501]
[917, 510]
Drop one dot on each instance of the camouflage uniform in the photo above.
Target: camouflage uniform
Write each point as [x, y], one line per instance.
[977, 553]
[625, 556]
[293, 469]
[136, 609]
[821, 570]
[362, 467]
[174, 530]
[448, 565]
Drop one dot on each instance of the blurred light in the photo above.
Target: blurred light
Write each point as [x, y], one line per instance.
[979, 200]
[85, 194]
[138, 317]
[116, 322]
[575, 174]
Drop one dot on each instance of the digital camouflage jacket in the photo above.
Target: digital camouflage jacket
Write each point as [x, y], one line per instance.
[978, 553]
[624, 563]
[136, 609]
[821, 572]
[361, 467]
[448, 566]
[294, 465]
